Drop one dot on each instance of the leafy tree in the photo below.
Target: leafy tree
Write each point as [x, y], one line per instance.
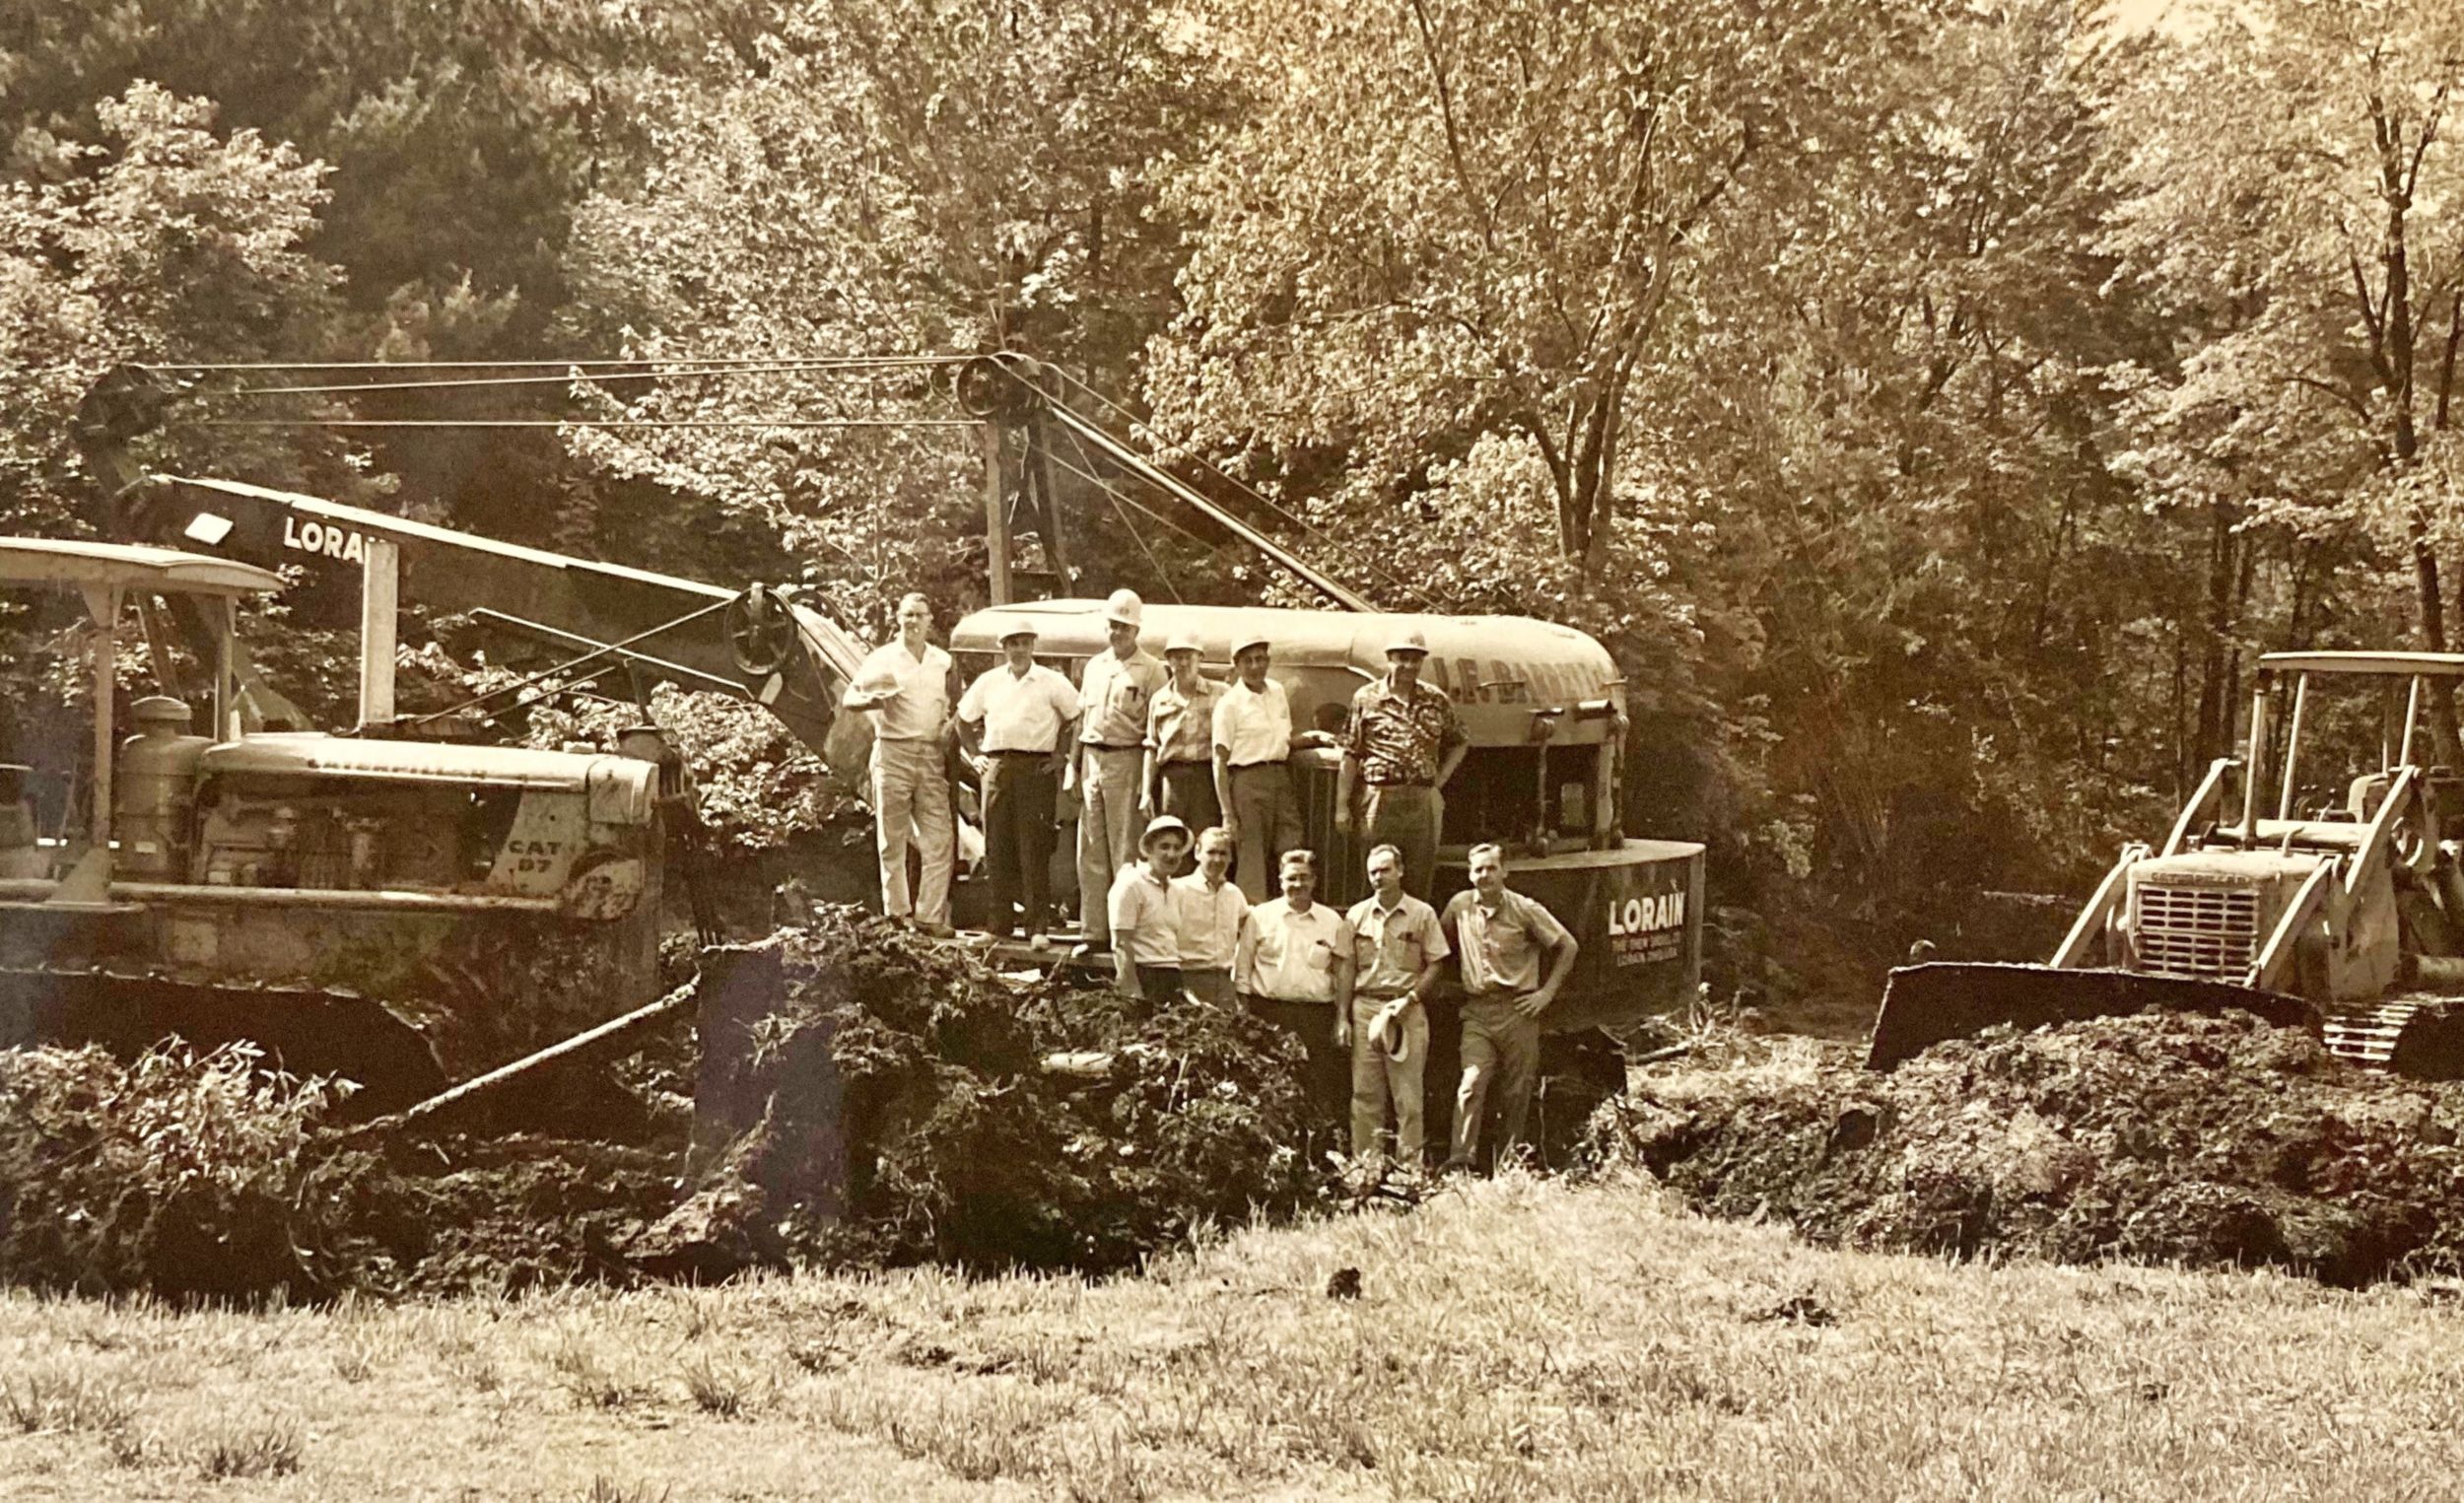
[2296, 190]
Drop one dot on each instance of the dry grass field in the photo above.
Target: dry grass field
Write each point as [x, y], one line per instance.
[1515, 1340]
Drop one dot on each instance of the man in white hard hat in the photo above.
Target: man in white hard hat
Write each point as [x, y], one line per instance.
[1399, 951]
[905, 686]
[1403, 741]
[1253, 745]
[1115, 687]
[1023, 715]
[1180, 773]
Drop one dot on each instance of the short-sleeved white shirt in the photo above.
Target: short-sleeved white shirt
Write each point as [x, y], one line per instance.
[1254, 725]
[1116, 692]
[1020, 711]
[921, 710]
[1293, 957]
[1142, 911]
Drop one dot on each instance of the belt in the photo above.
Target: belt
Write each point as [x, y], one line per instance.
[1243, 767]
[1108, 746]
[1012, 751]
[1404, 783]
[1185, 762]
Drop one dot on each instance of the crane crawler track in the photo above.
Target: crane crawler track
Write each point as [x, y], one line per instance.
[2419, 1035]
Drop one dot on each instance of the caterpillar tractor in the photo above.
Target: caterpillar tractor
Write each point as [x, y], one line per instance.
[2341, 913]
[394, 912]
[390, 902]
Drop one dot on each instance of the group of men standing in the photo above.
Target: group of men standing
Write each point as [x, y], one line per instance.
[1352, 986]
[1167, 763]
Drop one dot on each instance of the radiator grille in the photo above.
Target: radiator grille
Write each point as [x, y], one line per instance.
[2208, 932]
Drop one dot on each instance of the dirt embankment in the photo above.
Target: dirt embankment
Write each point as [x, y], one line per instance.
[2218, 1141]
[851, 1094]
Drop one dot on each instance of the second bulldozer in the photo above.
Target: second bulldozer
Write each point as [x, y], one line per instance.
[2326, 902]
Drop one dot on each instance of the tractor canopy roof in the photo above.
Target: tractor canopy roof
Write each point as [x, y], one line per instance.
[2384, 664]
[128, 567]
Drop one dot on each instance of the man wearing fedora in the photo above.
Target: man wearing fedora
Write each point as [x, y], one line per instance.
[1142, 909]
[1403, 741]
[1023, 714]
[1116, 687]
[905, 686]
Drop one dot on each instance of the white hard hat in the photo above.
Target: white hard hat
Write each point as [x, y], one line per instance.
[1183, 642]
[1163, 824]
[1125, 606]
[1250, 639]
[1018, 627]
[1413, 640]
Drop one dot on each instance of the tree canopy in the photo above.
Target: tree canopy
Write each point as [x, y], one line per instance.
[1936, 407]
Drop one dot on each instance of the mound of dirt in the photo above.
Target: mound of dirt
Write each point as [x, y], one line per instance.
[869, 1096]
[2217, 1142]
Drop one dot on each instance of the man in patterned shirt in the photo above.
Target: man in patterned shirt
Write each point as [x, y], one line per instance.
[1405, 741]
[1180, 775]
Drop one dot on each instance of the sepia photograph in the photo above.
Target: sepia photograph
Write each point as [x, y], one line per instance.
[1119, 750]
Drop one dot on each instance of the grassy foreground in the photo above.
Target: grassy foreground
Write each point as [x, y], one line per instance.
[1511, 1341]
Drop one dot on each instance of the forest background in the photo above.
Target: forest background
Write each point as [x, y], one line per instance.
[1934, 405]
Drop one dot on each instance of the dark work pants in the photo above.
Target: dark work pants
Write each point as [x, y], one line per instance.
[1189, 794]
[1407, 817]
[1160, 985]
[1326, 1078]
[1019, 835]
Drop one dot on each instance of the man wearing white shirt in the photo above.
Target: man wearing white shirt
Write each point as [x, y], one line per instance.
[1253, 784]
[905, 686]
[1209, 910]
[1515, 955]
[1147, 937]
[1115, 688]
[1294, 969]
[1399, 950]
[1022, 713]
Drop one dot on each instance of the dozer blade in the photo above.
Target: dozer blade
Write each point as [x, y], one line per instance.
[302, 1031]
[1923, 1005]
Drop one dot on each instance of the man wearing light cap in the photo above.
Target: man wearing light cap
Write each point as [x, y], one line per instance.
[1110, 760]
[1180, 772]
[1404, 743]
[1023, 715]
[1252, 733]
[1146, 953]
[905, 686]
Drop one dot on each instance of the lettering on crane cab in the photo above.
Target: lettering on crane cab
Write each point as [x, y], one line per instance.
[1647, 926]
[323, 539]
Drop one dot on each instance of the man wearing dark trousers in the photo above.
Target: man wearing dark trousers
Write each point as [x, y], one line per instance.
[1293, 967]
[1023, 714]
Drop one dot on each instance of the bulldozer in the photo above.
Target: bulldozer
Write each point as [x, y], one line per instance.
[355, 905]
[2340, 911]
